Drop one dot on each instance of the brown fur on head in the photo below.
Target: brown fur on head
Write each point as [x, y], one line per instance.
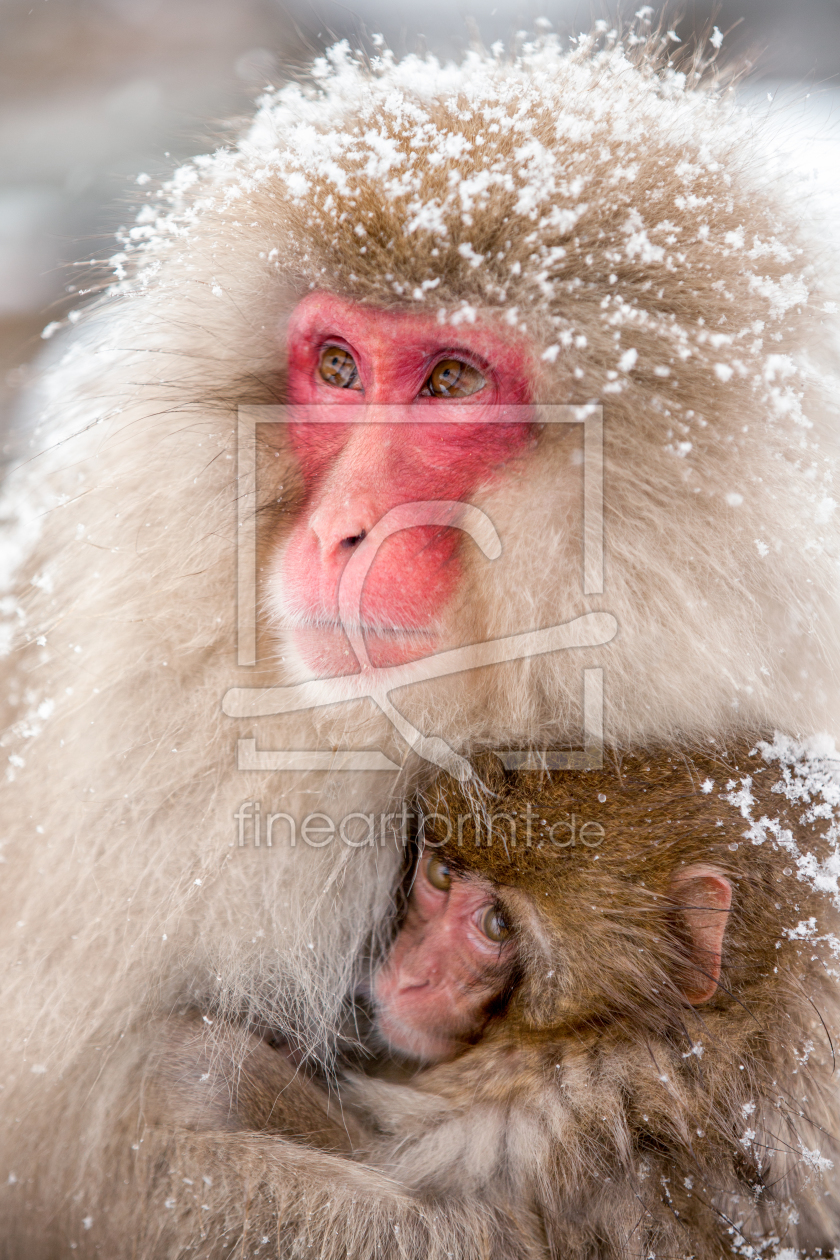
[693, 1111]
[585, 863]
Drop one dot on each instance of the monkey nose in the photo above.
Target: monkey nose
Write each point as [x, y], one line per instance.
[343, 529]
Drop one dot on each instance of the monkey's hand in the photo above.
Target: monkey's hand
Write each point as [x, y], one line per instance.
[230, 1079]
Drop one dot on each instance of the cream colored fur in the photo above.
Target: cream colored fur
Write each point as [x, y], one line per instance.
[625, 209]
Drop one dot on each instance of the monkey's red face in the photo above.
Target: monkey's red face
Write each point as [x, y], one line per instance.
[390, 410]
[451, 961]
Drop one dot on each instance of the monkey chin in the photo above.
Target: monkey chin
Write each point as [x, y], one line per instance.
[420, 1045]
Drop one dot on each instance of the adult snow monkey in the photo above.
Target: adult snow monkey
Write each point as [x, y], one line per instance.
[419, 262]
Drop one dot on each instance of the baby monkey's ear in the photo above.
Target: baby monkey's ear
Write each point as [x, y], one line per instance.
[702, 897]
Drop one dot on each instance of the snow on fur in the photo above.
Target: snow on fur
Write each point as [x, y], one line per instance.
[620, 216]
[810, 780]
[632, 223]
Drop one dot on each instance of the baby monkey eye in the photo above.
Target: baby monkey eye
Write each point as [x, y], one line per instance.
[337, 367]
[453, 379]
[439, 874]
[493, 925]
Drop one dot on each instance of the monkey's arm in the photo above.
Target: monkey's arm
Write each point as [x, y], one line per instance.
[279, 1144]
[305, 1203]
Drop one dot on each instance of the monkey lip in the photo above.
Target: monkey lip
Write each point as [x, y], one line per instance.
[326, 647]
[306, 621]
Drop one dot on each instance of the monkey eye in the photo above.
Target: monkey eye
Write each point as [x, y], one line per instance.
[453, 379]
[438, 874]
[337, 367]
[493, 925]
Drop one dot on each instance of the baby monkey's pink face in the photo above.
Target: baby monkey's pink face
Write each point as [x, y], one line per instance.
[455, 955]
[453, 958]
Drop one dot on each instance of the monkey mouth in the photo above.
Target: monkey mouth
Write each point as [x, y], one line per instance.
[330, 647]
[325, 622]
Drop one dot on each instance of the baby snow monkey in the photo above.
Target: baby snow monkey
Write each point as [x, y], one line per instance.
[620, 992]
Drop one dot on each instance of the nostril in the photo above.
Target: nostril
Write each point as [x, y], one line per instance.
[354, 539]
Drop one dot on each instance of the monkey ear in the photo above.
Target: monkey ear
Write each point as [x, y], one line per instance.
[703, 899]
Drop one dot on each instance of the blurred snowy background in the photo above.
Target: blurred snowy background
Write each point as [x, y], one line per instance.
[92, 92]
